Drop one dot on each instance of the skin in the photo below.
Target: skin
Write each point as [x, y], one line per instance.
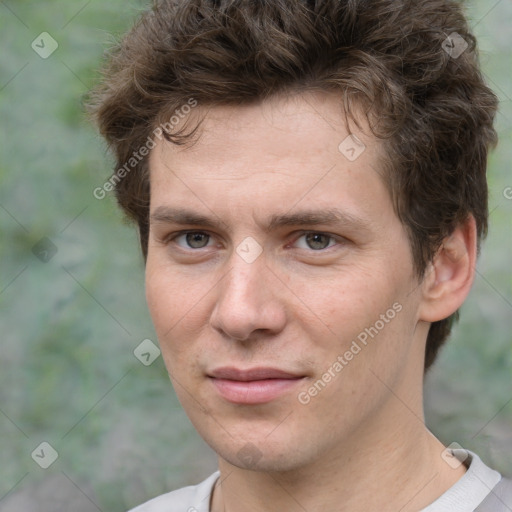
[360, 444]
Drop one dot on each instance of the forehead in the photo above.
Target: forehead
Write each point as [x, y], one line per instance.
[272, 156]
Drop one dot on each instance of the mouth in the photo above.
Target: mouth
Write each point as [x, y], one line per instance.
[253, 386]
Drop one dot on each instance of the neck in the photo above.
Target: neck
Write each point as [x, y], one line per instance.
[393, 463]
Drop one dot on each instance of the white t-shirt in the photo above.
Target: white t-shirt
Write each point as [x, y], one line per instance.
[465, 496]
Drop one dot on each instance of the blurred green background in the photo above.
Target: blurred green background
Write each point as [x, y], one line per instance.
[72, 304]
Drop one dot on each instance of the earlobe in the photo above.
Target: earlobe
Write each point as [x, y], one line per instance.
[450, 276]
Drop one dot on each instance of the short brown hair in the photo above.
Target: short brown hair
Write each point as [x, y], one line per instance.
[397, 59]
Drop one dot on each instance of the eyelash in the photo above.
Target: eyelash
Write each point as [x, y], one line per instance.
[334, 238]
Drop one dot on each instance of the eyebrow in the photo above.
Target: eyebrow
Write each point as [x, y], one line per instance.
[330, 216]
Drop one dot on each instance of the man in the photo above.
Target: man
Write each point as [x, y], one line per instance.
[308, 180]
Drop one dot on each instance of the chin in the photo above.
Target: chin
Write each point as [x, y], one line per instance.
[261, 455]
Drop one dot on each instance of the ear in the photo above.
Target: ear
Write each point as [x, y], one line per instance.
[449, 278]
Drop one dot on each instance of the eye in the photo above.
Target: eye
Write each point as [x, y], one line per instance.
[192, 240]
[315, 241]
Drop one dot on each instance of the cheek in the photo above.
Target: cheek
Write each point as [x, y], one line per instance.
[178, 308]
[169, 295]
[343, 304]
[159, 299]
[368, 322]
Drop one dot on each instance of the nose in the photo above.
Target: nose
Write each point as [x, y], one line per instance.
[248, 301]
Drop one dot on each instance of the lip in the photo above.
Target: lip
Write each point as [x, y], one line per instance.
[251, 374]
[252, 386]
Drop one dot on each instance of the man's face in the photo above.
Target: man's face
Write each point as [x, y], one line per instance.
[281, 284]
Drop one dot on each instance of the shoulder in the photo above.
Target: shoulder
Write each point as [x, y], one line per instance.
[194, 498]
[500, 497]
